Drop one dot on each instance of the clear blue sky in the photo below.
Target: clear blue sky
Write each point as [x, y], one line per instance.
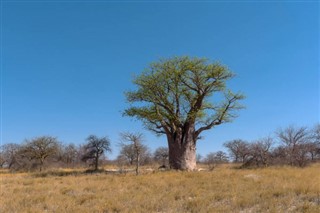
[66, 65]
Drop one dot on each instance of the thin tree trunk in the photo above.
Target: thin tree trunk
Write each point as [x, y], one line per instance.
[96, 163]
[41, 164]
[138, 164]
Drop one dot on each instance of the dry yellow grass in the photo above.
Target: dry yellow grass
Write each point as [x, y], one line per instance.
[282, 189]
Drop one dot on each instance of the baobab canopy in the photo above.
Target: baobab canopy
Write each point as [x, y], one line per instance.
[176, 97]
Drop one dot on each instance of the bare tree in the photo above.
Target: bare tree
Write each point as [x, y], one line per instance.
[238, 149]
[316, 133]
[279, 155]
[128, 152]
[70, 154]
[162, 155]
[315, 142]
[259, 153]
[199, 158]
[313, 151]
[121, 161]
[294, 139]
[2, 159]
[301, 155]
[94, 149]
[214, 158]
[9, 153]
[136, 140]
[39, 149]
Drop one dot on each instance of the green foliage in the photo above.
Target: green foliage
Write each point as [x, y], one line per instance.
[178, 90]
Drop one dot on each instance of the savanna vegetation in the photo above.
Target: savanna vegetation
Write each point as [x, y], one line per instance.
[256, 176]
[225, 189]
[278, 173]
[292, 146]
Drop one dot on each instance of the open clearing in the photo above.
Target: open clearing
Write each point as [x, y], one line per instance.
[225, 189]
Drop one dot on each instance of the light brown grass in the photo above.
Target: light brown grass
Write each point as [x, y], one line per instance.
[277, 189]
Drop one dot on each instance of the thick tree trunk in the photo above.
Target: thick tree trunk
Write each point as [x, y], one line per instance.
[182, 151]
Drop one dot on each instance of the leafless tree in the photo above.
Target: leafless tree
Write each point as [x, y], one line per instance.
[128, 153]
[136, 140]
[295, 140]
[39, 149]
[69, 154]
[301, 155]
[316, 133]
[279, 155]
[2, 159]
[121, 161]
[199, 158]
[9, 153]
[215, 158]
[315, 142]
[238, 149]
[259, 153]
[162, 155]
[313, 151]
[94, 149]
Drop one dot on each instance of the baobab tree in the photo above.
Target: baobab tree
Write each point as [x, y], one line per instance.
[174, 98]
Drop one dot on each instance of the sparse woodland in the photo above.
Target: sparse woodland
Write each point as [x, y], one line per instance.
[278, 173]
[292, 146]
[273, 174]
[174, 98]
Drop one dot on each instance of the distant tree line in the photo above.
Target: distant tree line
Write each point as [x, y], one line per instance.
[47, 152]
[294, 146]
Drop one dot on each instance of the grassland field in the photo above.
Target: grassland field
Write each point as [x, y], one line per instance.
[225, 189]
